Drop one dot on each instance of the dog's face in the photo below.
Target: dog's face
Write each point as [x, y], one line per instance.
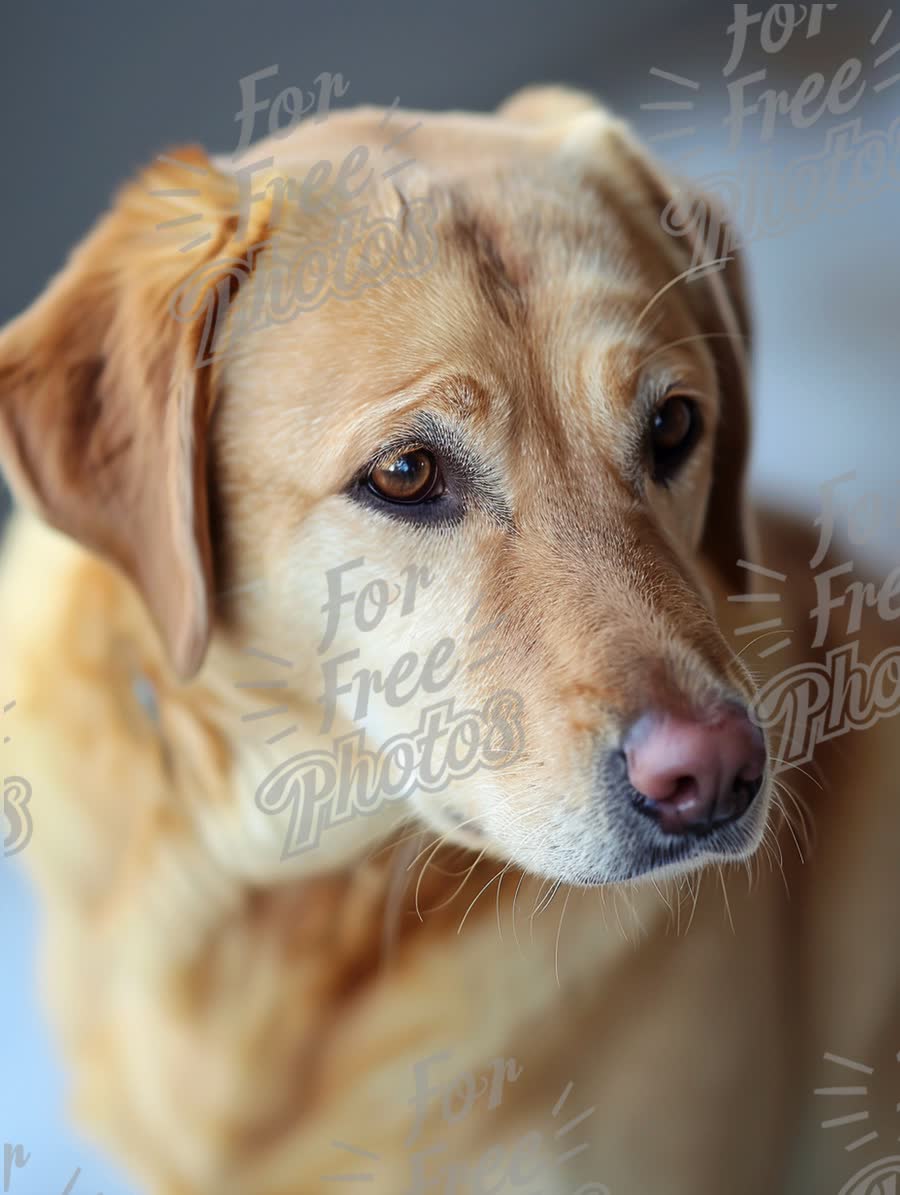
[484, 510]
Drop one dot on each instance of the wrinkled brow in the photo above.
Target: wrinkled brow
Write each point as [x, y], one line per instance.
[500, 280]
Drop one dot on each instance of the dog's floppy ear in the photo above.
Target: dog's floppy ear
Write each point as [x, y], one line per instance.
[716, 289]
[729, 535]
[546, 103]
[700, 245]
[103, 411]
[699, 242]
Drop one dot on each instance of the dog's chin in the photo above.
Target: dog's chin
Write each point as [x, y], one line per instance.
[631, 848]
[665, 860]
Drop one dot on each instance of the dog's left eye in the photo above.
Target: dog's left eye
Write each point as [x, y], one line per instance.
[410, 476]
[674, 430]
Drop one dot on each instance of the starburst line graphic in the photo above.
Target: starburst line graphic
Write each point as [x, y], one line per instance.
[279, 684]
[679, 79]
[887, 55]
[572, 1124]
[560, 1159]
[885, 21]
[854, 1091]
[352, 1178]
[480, 634]
[672, 106]
[389, 113]
[768, 625]
[265, 685]
[184, 166]
[401, 136]
[668, 106]
[213, 176]
[681, 105]
[8, 708]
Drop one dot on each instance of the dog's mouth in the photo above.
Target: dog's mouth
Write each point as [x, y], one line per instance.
[656, 854]
[727, 838]
[626, 836]
[687, 826]
[670, 794]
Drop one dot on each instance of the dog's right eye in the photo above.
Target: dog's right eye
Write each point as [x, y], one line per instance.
[674, 430]
[410, 476]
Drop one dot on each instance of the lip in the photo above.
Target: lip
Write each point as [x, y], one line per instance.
[674, 857]
[733, 842]
[647, 851]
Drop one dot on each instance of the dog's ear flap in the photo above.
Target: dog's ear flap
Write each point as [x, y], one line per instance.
[716, 290]
[103, 409]
[546, 103]
[699, 242]
[729, 534]
[702, 246]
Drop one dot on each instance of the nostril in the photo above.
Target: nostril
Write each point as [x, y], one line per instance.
[691, 775]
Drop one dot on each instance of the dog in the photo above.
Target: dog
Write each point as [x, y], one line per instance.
[402, 810]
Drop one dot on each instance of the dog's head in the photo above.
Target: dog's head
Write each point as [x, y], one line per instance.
[482, 484]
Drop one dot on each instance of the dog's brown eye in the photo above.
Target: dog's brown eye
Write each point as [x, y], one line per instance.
[673, 433]
[411, 476]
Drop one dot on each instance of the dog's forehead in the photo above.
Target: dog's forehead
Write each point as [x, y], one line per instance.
[531, 314]
[526, 286]
[447, 143]
[532, 204]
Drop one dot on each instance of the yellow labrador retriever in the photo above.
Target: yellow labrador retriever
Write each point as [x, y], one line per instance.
[402, 814]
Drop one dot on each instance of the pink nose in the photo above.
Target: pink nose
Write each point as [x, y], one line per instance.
[695, 775]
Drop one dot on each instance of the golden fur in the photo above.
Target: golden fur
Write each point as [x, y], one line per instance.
[231, 1015]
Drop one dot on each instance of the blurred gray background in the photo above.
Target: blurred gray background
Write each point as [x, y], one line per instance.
[89, 92]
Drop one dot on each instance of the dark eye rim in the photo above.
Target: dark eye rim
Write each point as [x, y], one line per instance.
[666, 463]
[435, 489]
[445, 505]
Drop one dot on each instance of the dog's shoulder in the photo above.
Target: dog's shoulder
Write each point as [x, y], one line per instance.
[64, 612]
[77, 733]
